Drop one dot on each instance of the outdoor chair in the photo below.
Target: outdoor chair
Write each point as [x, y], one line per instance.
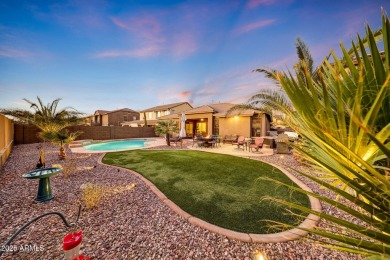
[230, 139]
[199, 141]
[177, 140]
[213, 141]
[217, 141]
[257, 145]
[240, 142]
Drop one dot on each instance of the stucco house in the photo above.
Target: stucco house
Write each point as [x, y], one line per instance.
[112, 118]
[213, 119]
[154, 113]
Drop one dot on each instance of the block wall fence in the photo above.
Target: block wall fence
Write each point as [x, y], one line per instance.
[28, 134]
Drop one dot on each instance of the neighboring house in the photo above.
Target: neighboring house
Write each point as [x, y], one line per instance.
[112, 118]
[213, 119]
[154, 113]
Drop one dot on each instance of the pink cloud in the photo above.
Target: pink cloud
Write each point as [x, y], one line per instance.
[253, 26]
[255, 3]
[135, 53]
[185, 94]
[184, 44]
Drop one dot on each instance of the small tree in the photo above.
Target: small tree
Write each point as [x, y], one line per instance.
[166, 128]
[145, 121]
[49, 120]
[60, 138]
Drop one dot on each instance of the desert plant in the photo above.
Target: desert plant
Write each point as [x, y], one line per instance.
[68, 167]
[342, 112]
[49, 120]
[60, 138]
[92, 194]
[166, 128]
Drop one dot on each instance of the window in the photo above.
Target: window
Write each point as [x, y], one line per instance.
[134, 118]
[125, 118]
[150, 115]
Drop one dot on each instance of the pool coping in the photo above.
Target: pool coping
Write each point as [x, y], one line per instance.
[288, 235]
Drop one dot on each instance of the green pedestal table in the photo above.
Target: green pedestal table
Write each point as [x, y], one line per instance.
[44, 188]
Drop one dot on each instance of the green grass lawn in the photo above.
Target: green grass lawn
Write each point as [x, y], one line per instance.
[221, 189]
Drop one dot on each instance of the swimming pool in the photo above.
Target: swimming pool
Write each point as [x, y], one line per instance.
[116, 145]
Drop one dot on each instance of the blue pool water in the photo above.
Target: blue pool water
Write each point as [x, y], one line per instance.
[116, 145]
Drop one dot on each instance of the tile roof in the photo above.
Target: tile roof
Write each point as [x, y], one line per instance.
[218, 110]
[100, 112]
[167, 117]
[199, 110]
[140, 122]
[122, 109]
[164, 107]
[103, 112]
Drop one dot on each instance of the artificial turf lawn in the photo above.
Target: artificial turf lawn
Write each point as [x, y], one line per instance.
[221, 189]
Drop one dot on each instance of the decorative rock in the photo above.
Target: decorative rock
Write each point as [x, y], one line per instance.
[133, 224]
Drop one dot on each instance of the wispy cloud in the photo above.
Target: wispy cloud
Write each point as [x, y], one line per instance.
[80, 16]
[184, 44]
[146, 27]
[135, 53]
[253, 26]
[14, 53]
[178, 31]
[255, 3]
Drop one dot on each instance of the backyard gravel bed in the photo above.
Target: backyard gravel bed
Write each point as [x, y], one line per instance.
[130, 224]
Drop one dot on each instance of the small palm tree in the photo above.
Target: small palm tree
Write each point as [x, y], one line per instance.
[60, 138]
[166, 128]
[48, 119]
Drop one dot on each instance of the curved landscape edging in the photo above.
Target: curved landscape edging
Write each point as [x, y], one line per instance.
[292, 234]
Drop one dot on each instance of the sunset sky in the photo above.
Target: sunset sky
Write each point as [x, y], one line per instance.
[110, 55]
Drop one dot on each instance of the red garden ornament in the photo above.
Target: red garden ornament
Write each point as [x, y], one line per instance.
[72, 244]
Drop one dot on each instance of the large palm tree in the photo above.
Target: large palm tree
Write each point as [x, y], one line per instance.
[166, 128]
[49, 119]
[342, 111]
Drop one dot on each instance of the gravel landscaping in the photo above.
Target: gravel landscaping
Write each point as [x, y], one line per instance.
[131, 224]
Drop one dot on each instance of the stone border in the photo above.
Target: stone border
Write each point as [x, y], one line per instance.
[292, 234]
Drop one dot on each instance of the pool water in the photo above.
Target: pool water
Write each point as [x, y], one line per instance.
[116, 145]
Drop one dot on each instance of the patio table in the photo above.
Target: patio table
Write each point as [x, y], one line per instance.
[44, 188]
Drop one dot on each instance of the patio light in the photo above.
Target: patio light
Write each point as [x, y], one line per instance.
[258, 255]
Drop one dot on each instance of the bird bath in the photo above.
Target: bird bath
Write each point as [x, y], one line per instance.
[44, 188]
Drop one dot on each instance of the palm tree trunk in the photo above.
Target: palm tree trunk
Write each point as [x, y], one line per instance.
[62, 155]
[167, 139]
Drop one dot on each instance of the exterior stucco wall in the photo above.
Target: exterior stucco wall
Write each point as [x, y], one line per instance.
[239, 125]
[6, 138]
[208, 117]
[105, 120]
[115, 118]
